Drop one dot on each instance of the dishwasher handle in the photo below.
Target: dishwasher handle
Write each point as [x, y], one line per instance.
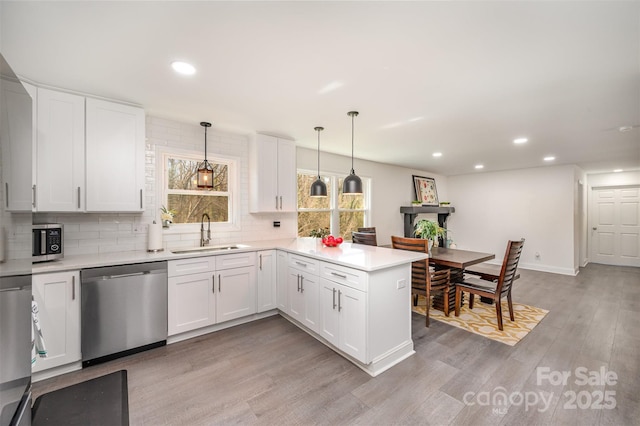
[133, 274]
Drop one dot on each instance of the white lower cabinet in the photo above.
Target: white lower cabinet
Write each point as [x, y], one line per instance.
[282, 285]
[192, 302]
[304, 286]
[208, 290]
[267, 280]
[236, 296]
[58, 298]
[343, 318]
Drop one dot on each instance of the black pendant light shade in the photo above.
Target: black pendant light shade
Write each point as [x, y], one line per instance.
[318, 188]
[352, 184]
[205, 171]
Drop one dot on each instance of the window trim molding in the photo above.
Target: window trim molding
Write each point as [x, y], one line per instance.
[234, 189]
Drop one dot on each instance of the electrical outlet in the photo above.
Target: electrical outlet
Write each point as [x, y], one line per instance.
[401, 284]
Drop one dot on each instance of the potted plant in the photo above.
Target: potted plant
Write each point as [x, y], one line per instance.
[429, 230]
[166, 216]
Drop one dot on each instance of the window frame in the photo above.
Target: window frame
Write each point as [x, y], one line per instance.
[163, 191]
[335, 211]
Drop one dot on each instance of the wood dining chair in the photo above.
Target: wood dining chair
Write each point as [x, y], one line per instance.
[495, 289]
[367, 238]
[424, 280]
[371, 229]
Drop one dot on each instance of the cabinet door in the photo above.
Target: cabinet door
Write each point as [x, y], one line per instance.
[60, 152]
[58, 299]
[310, 290]
[287, 176]
[236, 296]
[263, 194]
[282, 288]
[17, 109]
[329, 315]
[296, 300]
[192, 302]
[267, 278]
[353, 331]
[114, 157]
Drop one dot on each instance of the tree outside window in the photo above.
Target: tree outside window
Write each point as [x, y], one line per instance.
[337, 212]
[189, 202]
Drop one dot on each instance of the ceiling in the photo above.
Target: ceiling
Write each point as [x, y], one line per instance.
[460, 78]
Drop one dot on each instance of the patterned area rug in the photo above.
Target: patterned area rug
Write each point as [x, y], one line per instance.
[482, 319]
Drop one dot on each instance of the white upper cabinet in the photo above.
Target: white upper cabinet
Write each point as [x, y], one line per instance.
[17, 108]
[114, 157]
[59, 155]
[273, 175]
[89, 154]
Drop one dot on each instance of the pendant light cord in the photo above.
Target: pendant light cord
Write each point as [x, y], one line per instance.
[318, 129]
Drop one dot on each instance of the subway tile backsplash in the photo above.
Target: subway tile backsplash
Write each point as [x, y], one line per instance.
[87, 233]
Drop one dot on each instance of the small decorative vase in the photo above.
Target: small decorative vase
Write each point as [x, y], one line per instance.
[166, 223]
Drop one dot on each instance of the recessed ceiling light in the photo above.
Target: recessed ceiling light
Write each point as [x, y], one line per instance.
[520, 141]
[617, 170]
[479, 166]
[625, 128]
[183, 68]
[437, 154]
[549, 158]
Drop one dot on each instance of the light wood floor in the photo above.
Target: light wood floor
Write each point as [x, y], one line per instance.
[271, 373]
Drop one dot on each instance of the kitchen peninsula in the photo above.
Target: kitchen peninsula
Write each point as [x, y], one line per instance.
[354, 298]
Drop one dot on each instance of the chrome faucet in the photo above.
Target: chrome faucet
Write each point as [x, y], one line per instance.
[205, 241]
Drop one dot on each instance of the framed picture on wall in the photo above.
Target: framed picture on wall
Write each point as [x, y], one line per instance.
[426, 190]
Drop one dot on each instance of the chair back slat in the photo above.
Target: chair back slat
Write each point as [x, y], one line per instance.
[370, 229]
[367, 238]
[509, 266]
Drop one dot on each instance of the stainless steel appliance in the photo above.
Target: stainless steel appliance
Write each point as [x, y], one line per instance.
[16, 129]
[48, 240]
[124, 310]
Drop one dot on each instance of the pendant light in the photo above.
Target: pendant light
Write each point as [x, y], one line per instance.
[352, 184]
[205, 171]
[318, 188]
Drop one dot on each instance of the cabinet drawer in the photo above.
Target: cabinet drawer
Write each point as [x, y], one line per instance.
[350, 277]
[228, 261]
[193, 265]
[304, 264]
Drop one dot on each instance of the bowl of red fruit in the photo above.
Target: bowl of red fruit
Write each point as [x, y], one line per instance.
[331, 241]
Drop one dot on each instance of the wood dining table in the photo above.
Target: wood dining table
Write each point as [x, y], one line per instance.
[457, 261]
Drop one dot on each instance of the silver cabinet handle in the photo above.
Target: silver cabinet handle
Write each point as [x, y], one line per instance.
[281, 202]
[301, 264]
[73, 287]
[339, 275]
[334, 298]
[33, 203]
[276, 202]
[213, 285]
[260, 261]
[301, 284]
[6, 193]
[298, 282]
[78, 197]
[339, 305]
[141, 198]
[219, 284]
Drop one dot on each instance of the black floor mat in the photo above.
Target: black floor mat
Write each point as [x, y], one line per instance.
[100, 401]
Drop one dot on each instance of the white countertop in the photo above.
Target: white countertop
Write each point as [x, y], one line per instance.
[357, 256]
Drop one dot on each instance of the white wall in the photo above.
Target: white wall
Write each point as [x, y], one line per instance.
[536, 204]
[391, 187]
[87, 233]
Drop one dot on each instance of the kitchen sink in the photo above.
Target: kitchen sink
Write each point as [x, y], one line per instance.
[206, 249]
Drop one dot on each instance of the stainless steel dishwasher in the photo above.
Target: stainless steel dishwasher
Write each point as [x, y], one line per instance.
[124, 310]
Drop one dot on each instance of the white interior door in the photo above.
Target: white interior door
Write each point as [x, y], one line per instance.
[615, 226]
